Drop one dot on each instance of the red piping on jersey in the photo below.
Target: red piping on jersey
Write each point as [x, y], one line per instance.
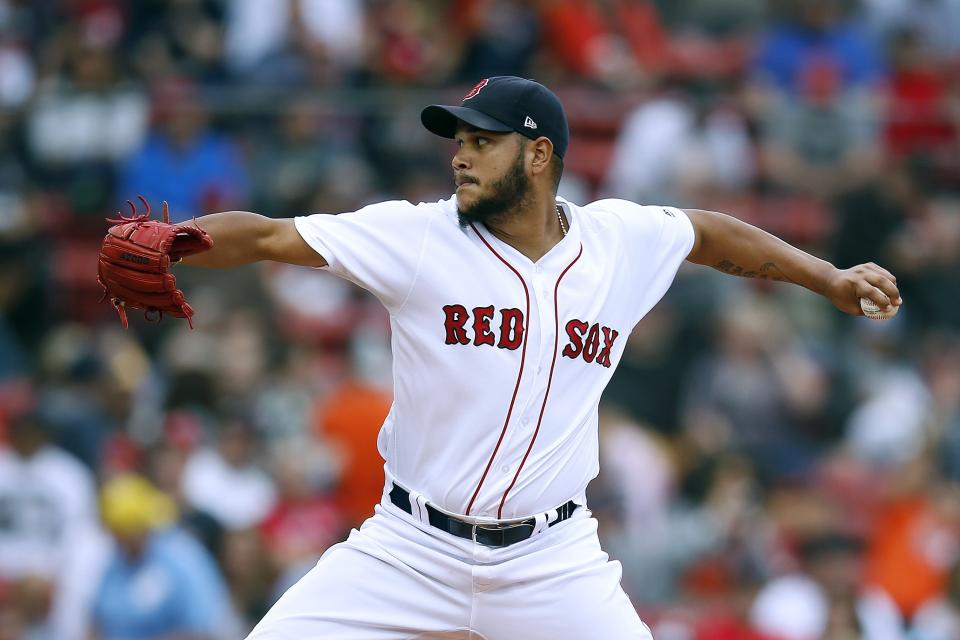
[523, 356]
[546, 394]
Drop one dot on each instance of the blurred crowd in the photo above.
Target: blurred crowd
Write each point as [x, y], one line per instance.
[771, 469]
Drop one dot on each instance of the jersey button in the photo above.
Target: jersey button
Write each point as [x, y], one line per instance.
[538, 269]
[505, 468]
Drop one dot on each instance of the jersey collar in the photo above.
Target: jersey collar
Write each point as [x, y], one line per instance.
[556, 258]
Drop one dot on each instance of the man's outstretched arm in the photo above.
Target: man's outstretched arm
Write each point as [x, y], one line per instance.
[740, 249]
[241, 237]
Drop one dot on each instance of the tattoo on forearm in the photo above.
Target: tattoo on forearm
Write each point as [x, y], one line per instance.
[767, 271]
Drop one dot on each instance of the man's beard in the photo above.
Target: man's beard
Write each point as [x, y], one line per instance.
[509, 193]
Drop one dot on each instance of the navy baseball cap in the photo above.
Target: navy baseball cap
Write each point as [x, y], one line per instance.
[504, 103]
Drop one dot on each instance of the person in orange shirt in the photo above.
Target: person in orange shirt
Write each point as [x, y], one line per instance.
[350, 418]
[915, 541]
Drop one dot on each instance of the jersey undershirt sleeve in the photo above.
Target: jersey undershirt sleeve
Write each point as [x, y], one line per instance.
[657, 241]
[378, 247]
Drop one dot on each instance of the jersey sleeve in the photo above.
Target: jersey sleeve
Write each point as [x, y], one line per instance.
[378, 247]
[657, 240]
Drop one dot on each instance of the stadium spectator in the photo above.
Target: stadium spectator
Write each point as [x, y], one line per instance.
[170, 39]
[183, 161]
[638, 474]
[816, 32]
[934, 21]
[615, 42]
[349, 418]
[75, 396]
[86, 120]
[47, 498]
[701, 542]
[927, 251]
[408, 44]
[914, 542]
[291, 41]
[305, 519]
[822, 140]
[499, 37]
[677, 149]
[890, 423]
[158, 581]
[825, 599]
[921, 112]
[293, 163]
[750, 393]
[227, 481]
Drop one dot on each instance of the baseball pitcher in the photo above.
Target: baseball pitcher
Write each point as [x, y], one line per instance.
[509, 312]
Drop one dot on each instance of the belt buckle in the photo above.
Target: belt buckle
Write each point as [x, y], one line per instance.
[485, 526]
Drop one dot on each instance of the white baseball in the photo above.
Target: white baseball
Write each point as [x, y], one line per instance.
[872, 311]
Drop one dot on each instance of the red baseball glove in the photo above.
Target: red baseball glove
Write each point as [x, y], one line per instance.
[135, 259]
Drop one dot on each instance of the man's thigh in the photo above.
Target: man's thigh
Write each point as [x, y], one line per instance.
[570, 590]
[374, 586]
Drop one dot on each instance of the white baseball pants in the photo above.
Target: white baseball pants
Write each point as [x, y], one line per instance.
[396, 578]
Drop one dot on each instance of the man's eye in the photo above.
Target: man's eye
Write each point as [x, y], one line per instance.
[481, 141]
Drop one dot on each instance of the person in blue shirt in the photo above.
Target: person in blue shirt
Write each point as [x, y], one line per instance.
[817, 31]
[160, 582]
[184, 161]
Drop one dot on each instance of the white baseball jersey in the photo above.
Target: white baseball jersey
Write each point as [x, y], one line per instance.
[499, 362]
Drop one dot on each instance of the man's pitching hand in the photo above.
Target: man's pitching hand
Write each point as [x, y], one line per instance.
[846, 286]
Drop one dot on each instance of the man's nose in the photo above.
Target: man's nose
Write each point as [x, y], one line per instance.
[460, 161]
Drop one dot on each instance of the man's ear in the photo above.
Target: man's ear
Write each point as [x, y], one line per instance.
[540, 152]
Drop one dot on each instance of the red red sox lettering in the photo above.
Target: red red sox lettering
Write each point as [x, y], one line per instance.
[511, 326]
[585, 342]
[584, 338]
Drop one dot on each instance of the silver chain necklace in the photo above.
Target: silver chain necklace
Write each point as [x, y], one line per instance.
[563, 227]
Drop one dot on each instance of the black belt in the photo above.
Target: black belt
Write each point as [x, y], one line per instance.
[489, 534]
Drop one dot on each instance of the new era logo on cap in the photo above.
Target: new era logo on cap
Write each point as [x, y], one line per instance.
[502, 104]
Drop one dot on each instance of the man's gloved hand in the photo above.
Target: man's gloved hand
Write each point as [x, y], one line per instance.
[135, 259]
